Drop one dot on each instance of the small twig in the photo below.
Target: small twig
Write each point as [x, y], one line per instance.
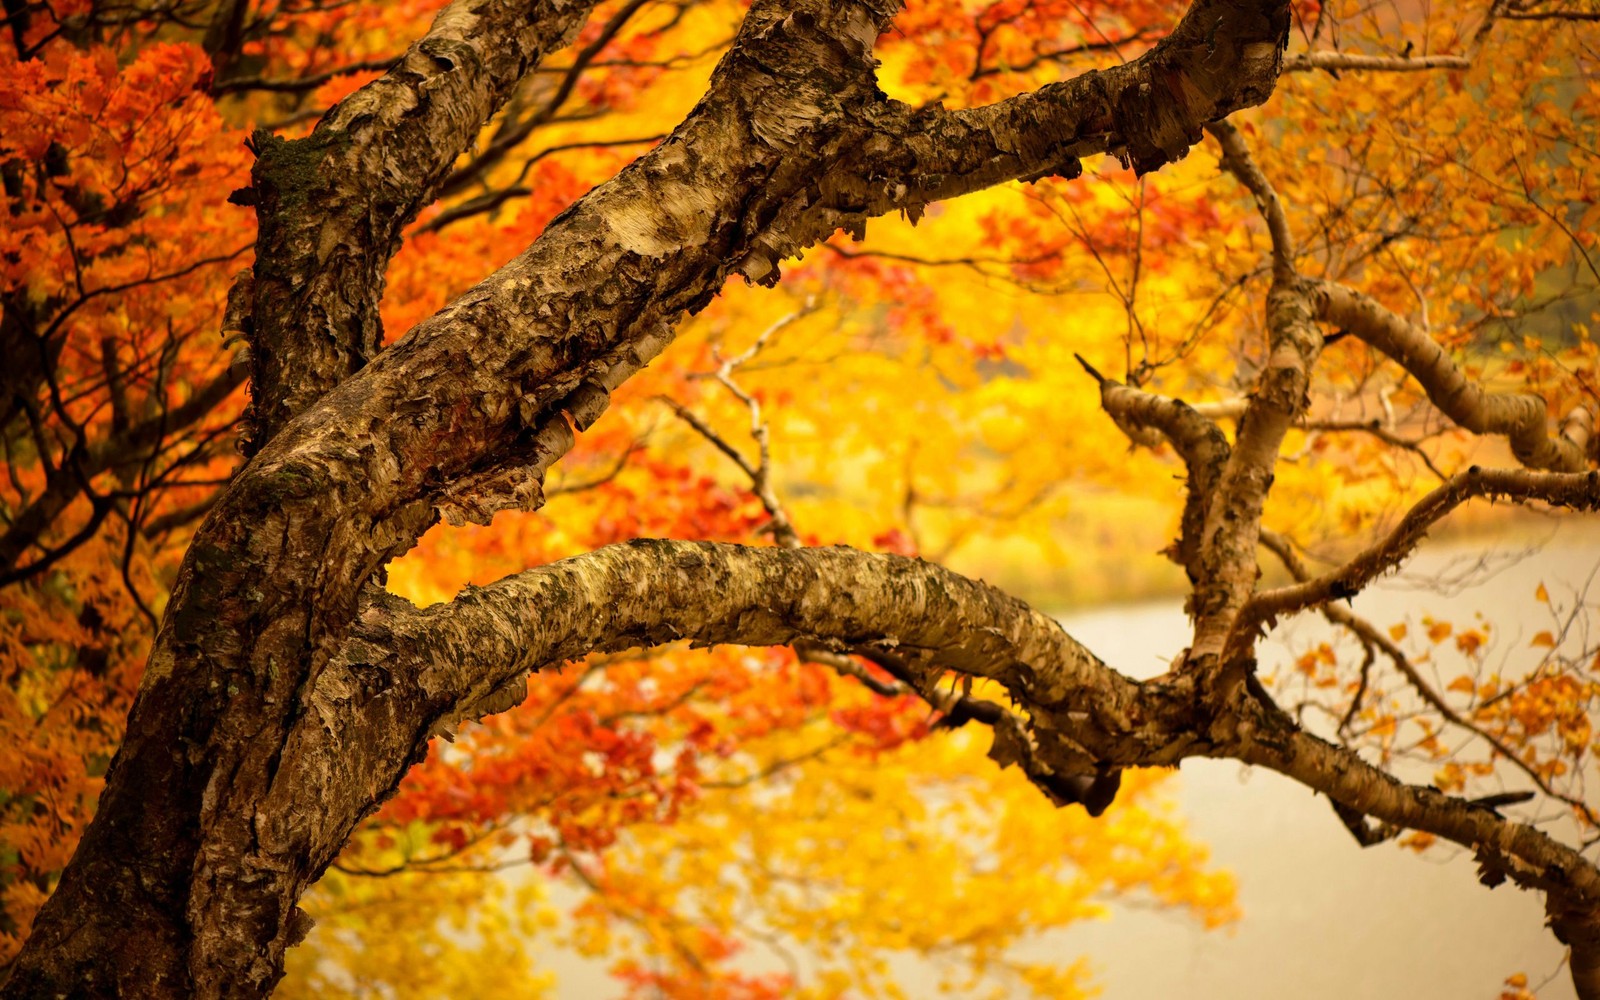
[1335, 61]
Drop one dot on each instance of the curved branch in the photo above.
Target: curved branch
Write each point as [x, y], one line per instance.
[1236, 159]
[456, 661]
[1222, 56]
[649, 592]
[1522, 418]
[331, 206]
[1147, 419]
[1577, 490]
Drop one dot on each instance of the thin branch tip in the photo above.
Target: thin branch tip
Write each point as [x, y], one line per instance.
[1094, 373]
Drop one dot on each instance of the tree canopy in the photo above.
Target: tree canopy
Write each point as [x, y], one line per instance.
[439, 439]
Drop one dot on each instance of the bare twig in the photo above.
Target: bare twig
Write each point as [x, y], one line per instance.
[1336, 61]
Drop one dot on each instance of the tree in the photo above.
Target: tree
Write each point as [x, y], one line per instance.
[283, 673]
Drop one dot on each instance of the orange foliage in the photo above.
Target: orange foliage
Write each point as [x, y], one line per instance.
[120, 142]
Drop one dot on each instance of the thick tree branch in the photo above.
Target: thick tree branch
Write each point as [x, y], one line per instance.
[1522, 418]
[836, 599]
[1224, 55]
[1216, 61]
[458, 661]
[331, 206]
[464, 414]
[1228, 566]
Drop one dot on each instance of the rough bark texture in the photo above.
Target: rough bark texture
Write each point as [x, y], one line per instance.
[1149, 419]
[332, 205]
[1227, 561]
[459, 661]
[287, 693]
[203, 836]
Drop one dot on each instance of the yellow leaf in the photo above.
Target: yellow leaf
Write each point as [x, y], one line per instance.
[1517, 980]
[1463, 684]
[1397, 632]
[1542, 595]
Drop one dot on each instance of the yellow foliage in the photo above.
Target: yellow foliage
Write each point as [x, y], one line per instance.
[419, 935]
[849, 859]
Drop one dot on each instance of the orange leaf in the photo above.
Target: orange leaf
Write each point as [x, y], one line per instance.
[1417, 840]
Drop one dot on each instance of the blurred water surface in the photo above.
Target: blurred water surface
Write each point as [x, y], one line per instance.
[1323, 918]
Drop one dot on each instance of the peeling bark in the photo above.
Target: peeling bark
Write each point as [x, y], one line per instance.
[450, 661]
[205, 838]
[331, 206]
[1148, 419]
[1228, 567]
